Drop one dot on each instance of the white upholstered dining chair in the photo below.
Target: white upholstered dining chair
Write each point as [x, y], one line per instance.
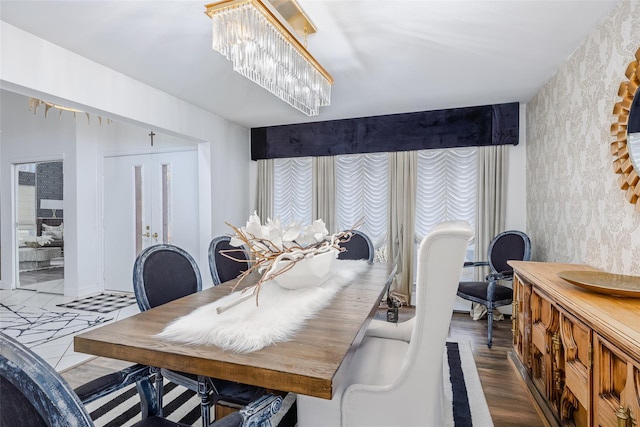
[391, 382]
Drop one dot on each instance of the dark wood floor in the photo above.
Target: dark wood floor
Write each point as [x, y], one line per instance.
[506, 396]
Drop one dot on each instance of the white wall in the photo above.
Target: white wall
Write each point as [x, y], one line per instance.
[34, 67]
[82, 229]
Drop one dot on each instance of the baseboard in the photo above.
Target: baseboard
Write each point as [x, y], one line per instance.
[81, 292]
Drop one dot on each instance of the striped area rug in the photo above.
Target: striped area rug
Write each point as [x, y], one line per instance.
[181, 405]
[468, 405]
[123, 409]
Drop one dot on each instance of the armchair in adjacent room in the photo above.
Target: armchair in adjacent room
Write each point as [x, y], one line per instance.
[163, 273]
[391, 382]
[506, 246]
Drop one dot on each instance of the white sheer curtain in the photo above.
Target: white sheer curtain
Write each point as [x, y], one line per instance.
[324, 191]
[293, 190]
[446, 188]
[264, 193]
[362, 193]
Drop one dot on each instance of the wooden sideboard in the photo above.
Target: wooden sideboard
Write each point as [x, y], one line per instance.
[577, 351]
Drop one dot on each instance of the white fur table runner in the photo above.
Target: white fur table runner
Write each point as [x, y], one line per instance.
[247, 327]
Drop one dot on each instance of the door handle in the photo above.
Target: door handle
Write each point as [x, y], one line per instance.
[148, 233]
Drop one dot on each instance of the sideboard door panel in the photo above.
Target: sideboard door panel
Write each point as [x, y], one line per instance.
[617, 386]
[545, 325]
[575, 363]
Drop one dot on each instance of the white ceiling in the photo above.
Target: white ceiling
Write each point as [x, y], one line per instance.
[386, 57]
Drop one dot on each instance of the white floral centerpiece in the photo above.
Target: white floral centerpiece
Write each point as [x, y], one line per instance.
[293, 256]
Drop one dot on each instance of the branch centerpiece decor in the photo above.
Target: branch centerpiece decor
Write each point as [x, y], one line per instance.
[297, 276]
[293, 256]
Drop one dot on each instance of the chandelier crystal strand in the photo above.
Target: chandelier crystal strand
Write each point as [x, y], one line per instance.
[261, 53]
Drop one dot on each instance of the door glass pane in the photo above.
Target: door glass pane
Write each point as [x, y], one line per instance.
[139, 206]
[166, 203]
[40, 226]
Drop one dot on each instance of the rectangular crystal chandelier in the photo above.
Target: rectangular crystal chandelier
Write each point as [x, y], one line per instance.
[252, 36]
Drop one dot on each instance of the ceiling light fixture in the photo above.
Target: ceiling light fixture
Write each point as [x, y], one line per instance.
[264, 49]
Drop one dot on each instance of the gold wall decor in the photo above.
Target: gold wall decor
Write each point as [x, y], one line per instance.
[625, 156]
[34, 103]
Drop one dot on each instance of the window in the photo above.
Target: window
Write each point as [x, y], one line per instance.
[446, 188]
[362, 193]
[292, 191]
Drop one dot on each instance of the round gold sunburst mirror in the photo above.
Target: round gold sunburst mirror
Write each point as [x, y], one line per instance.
[626, 129]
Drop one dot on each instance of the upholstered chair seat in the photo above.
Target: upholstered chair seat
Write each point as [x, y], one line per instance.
[479, 290]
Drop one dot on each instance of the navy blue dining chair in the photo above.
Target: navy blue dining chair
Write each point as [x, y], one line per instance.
[163, 273]
[223, 268]
[33, 394]
[506, 246]
[358, 247]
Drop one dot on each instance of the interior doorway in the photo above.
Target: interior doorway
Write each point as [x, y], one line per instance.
[148, 199]
[39, 208]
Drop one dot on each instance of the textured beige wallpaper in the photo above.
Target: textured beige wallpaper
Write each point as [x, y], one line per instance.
[576, 212]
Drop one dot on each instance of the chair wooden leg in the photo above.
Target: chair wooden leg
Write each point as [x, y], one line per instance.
[159, 389]
[205, 401]
[490, 326]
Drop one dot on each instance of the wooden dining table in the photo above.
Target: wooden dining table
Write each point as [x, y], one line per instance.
[312, 362]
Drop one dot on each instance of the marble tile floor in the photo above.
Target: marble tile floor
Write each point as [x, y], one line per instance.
[58, 352]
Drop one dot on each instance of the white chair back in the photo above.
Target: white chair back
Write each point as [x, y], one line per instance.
[390, 381]
[440, 262]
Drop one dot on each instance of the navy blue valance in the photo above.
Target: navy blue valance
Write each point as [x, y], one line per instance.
[456, 127]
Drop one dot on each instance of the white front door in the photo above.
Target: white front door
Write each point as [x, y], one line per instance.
[148, 199]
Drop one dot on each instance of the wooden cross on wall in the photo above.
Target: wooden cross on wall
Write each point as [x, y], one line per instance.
[151, 135]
